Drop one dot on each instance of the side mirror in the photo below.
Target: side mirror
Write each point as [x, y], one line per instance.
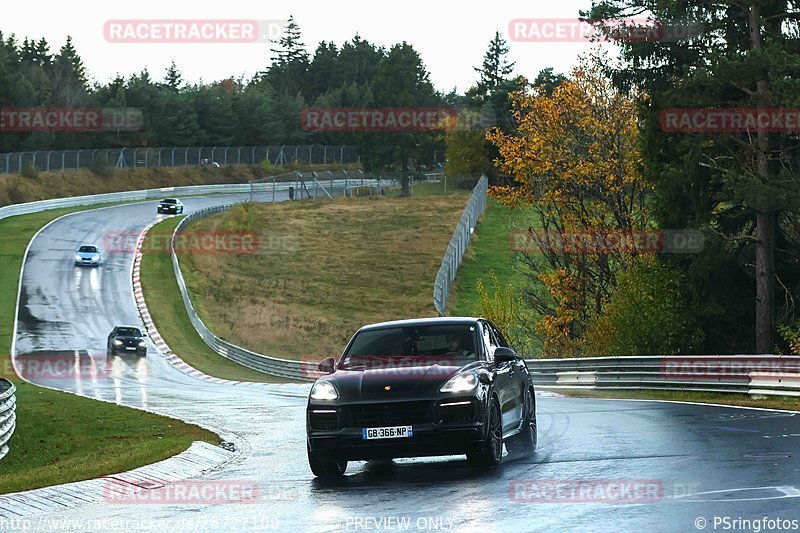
[504, 355]
[327, 365]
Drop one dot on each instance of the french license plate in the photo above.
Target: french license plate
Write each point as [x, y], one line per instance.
[130, 348]
[393, 432]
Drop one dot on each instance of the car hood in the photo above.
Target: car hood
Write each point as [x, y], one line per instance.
[86, 255]
[367, 385]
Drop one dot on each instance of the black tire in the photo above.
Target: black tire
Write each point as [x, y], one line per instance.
[326, 468]
[490, 452]
[524, 443]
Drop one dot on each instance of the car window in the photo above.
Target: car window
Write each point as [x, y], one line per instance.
[88, 249]
[489, 341]
[170, 201]
[129, 332]
[501, 340]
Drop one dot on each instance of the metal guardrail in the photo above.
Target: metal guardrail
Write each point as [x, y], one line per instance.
[746, 374]
[275, 366]
[8, 416]
[56, 160]
[458, 244]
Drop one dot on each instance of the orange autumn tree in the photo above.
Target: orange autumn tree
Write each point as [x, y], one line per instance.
[574, 160]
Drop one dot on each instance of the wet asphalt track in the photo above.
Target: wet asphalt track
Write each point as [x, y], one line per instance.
[703, 461]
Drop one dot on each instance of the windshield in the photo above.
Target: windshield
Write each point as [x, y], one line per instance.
[88, 249]
[169, 201]
[129, 332]
[450, 345]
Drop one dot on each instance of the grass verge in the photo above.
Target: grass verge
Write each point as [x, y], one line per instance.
[60, 437]
[323, 269]
[170, 318]
[741, 400]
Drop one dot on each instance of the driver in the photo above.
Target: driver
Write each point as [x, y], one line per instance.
[455, 345]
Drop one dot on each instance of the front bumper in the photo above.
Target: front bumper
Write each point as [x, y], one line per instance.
[87, 263]
[439, 434]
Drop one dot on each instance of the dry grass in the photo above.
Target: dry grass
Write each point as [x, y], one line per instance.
[323, 270]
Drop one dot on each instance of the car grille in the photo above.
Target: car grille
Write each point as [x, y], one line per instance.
[389, 414]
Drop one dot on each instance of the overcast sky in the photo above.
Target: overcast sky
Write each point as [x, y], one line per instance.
[451, 36]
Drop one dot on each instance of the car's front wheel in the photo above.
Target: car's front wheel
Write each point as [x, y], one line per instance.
[524, 442]
[490, 452]
[326, 468]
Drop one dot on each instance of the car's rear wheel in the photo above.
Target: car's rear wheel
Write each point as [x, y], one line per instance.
[490, 452]
[326, 468]
[524, 442]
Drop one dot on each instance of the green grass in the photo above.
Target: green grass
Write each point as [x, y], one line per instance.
[489, 250]
[60, 437]
[169, 315]
[742, 400]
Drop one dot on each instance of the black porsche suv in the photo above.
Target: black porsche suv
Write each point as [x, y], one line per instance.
[425, 387]
[127, 339]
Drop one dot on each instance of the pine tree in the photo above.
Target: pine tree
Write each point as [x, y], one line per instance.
[495, 68]
[173, 79]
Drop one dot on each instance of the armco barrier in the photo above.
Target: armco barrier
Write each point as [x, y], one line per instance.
[153, 194]
[720, 373]
[8, 416]
[458, 244]
[269, 365]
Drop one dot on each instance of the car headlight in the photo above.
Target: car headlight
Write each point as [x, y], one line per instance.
[77, 258]
[117, 342]
[142, 344]
[323, 390]
[461, 383]
[95, 258]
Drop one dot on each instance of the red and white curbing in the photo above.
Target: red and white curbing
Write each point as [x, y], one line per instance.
[159, 342]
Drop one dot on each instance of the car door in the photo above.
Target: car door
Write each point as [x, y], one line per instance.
[520, 375]
[504, 382]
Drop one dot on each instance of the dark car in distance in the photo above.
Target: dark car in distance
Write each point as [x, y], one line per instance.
[127, 339]
[423, 387]
[170, 206]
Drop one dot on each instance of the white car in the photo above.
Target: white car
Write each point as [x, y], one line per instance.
[88, 255]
